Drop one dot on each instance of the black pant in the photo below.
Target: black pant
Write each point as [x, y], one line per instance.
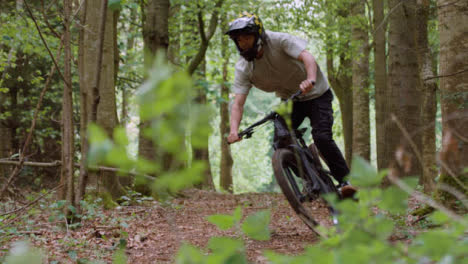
[320, 113]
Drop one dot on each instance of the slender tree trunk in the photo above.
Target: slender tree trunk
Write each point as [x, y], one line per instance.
[196, 61]
[225, 172]
[380, 83]
[361, 122]
[67, 169]
[85, 98]
[429, 102]
[341, 83]
[156, 36]
[116, 47]
[107, 107]
[202, 153]
[404, 89]
[453, 25]
[205, 36]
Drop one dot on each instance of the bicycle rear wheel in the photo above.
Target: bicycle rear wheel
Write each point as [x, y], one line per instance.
[302, 199]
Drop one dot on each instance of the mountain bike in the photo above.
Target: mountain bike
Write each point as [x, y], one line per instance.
[297, 168]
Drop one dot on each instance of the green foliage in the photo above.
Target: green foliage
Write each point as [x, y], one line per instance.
[225, 222]
[256, 225]
[166, 102]
[114, 4]
[22, 252]
[133, 198]
[24, 67]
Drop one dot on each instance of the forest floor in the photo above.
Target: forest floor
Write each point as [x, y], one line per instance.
[154, 232]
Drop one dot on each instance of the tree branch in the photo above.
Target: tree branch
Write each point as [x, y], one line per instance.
[47, 20]
[424, 198]
[33, 202]
[418, 154]
[45, 43]
[204, 45]
[446, 75]
[201, 25]
[58, 163]
[32, 164]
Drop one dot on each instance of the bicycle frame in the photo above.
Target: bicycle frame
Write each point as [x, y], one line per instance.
[307, 166]
[286, 138]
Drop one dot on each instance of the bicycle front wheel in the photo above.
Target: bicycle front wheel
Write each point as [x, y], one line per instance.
[288, 171]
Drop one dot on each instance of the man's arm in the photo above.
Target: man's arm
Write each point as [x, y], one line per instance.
[311, 67]
[236, 116]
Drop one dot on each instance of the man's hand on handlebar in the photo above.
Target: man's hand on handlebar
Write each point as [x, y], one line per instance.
[306, 86]
[233, 138]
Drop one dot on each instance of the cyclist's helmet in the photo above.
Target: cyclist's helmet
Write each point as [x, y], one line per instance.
[248, 23]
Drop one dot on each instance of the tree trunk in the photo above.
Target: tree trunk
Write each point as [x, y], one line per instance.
[107, 107]
[155, 36]
[196, 61]
[67, 169]
[202, 153]
[225, 170]
[98, 87]
[453, 25]
[361, 122]
[404, 90]
[380, 83]
[84, 105]
[429, 102]
[341, 83]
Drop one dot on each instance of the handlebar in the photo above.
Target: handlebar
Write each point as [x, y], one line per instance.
[247, 133]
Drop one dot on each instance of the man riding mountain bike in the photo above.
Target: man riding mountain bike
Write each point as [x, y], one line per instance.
[279, 62]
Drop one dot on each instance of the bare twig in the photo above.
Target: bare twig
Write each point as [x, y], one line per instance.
[205, 37]
[418, 155]
[45, 43]
[36, 232]
[408, 138]
[66, 224]
[452, 174]
[58, 163]
[446, 75]
[46, 20]
[453, 191]
[386, 17]
[31, 164]
[33, 202]
[77, 10]
[424, 198]
[448, 4]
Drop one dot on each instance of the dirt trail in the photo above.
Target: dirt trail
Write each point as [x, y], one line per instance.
[155, 232]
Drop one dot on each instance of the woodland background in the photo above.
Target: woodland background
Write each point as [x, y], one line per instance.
[109, 99]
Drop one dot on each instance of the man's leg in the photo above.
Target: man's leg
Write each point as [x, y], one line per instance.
[320, 113]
